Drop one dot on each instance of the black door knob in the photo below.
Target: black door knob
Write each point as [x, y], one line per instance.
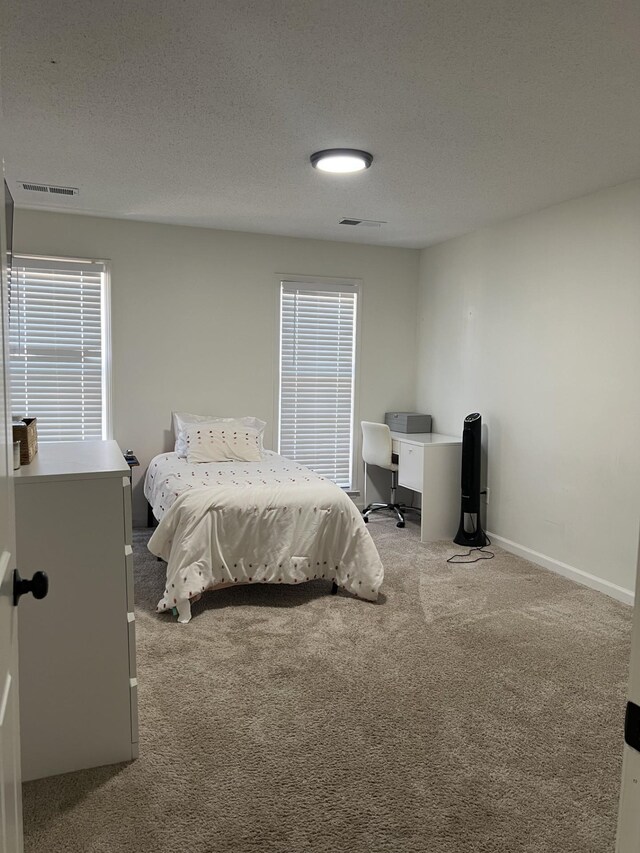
[38, 585]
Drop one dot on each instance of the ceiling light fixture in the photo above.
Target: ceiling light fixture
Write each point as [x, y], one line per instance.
[341, 160]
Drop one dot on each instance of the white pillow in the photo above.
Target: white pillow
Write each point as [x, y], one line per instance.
[181, 420]
[222, 442]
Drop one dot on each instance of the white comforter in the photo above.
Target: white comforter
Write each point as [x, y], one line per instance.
[272, 521]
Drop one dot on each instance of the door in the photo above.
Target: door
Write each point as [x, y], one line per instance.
[10, 779]
[629, 813]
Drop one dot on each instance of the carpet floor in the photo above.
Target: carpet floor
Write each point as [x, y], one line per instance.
[474, 708]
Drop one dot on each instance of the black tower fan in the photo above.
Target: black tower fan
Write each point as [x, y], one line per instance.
[475, 537]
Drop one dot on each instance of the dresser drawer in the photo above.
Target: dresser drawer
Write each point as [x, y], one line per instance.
[410, 466]
[133, 699]
[128, 568]
[126, 496]
[131, 624]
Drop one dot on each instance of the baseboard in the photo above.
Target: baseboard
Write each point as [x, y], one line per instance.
[618, 592]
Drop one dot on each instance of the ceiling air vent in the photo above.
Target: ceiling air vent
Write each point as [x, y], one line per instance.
[363, 223]
[47, 188]
[35, 188]
[64, 190]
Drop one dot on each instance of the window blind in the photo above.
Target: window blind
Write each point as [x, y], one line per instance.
[317, 372]
[57, 347]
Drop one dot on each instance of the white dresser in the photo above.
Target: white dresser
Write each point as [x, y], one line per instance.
[78, 687]
[431, 463]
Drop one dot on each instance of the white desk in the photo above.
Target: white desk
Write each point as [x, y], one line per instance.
[430, 463]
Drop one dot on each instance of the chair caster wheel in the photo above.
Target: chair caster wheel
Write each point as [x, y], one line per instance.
[365, 519]
[400, 524]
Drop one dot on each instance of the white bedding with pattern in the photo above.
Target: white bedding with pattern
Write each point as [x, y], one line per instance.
[273, 521]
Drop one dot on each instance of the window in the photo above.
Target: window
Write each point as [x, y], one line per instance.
[58, 339]
[317, 374]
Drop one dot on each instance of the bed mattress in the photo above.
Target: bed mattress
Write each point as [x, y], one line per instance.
[169, 475]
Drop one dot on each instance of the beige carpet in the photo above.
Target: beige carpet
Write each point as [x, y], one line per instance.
[475, 708]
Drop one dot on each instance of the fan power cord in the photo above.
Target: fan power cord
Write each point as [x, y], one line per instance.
[464, 558]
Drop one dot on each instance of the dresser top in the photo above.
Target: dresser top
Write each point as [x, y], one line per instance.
[73, 460]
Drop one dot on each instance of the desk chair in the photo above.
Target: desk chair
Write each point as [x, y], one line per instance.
[377, 450]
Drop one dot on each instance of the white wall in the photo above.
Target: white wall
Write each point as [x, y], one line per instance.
[194, 319]
[535, 323]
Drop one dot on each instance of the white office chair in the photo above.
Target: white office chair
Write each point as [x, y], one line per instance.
[377, 450]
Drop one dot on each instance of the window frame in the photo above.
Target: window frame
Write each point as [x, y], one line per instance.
[317, 282]
[105, 322]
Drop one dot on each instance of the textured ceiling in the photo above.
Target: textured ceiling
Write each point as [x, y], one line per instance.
[205, 113]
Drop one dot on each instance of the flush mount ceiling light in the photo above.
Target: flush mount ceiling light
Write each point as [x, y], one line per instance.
[341, 160]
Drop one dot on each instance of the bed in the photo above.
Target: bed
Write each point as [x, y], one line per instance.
[267, 521]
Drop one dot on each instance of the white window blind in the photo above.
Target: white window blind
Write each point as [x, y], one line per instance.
[317, 373]
[57, 345]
